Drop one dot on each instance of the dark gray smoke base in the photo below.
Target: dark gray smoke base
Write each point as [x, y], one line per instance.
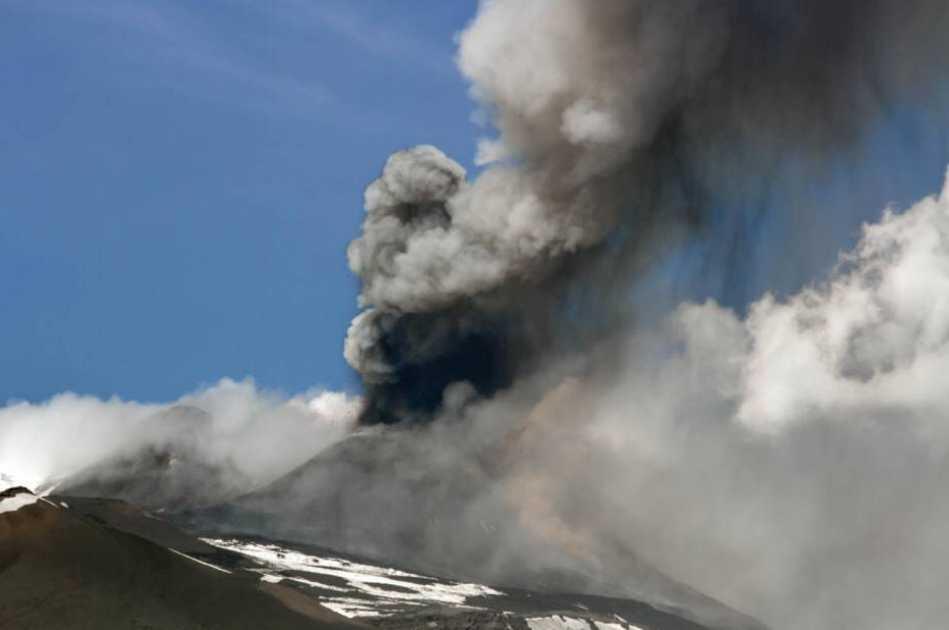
[624, 123]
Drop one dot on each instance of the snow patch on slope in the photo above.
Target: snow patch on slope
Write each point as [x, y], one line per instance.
[207, 564]
[559, 622]
[369, 590]
[17, 501]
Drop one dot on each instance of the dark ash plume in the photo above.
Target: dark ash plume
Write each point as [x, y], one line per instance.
[623, 122]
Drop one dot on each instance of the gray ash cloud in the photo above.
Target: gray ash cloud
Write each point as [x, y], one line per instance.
[623, 124]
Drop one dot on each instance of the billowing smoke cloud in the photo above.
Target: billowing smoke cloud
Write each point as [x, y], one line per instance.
[791, 462]
[788, 462]
[622, 124]
[205, 447]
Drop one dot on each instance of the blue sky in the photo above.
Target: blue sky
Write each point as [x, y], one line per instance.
[180, 181]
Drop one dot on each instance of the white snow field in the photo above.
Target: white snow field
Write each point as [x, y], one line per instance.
[353, 589]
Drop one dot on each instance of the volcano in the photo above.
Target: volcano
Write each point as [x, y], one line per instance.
[78, 562]
[62, 568]
[310, 506]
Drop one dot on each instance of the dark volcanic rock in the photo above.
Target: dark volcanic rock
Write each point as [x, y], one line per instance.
[76, 562]
[63, 571]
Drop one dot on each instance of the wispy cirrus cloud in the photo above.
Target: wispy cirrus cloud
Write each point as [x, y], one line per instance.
[386, 37]
[195, 54]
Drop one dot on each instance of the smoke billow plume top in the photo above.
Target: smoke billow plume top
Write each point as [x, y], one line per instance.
[622, 124]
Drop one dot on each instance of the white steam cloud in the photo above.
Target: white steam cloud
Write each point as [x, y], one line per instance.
[233, 431]
[792, 463]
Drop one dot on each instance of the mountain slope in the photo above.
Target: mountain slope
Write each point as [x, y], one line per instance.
[77, 562]
[389, 597]
[59, 570]
[422, 524]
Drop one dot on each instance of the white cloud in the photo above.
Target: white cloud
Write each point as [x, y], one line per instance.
[260, 434]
